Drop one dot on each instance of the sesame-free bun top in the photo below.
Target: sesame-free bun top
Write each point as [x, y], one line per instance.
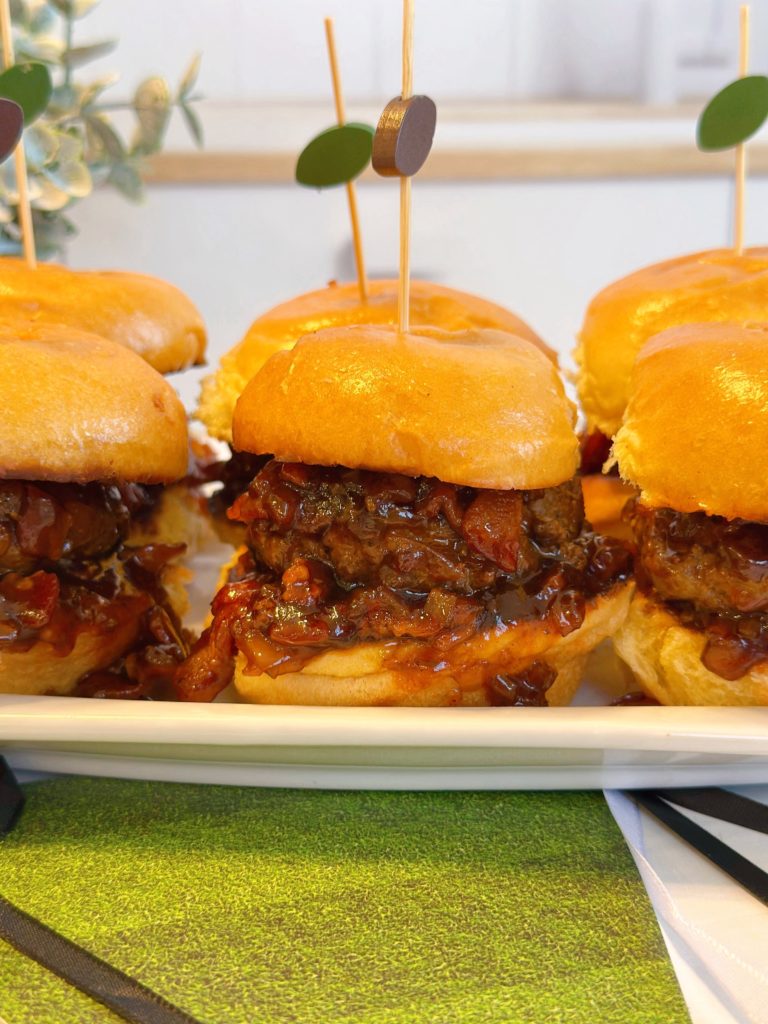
[477, 407]
[78, 408]
[339, 305]
[713, 286]
[149, 316]
[695, 433]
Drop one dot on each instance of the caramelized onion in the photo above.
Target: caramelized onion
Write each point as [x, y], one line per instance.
[339, 557]
[61, 549]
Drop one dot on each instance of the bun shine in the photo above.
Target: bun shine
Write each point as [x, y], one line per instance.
[695, 433]
[704, 287]
[480, 408]
[77, 408]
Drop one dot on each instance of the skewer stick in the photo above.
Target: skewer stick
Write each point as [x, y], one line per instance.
[338, 98]
[741, 149]
[20, 160]
[404, 283]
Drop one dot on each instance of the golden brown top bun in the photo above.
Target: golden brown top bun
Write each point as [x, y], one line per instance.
[716, 285]
[695, 433]
[480, 408]
[149, 316]
[79, 408]
[339, 305]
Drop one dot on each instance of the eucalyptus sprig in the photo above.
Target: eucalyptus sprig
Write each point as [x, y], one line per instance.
[74, 143]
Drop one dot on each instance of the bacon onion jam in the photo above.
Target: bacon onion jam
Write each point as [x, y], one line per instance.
[337, 557]
[66, 569]
[712, 573]
[230, 476]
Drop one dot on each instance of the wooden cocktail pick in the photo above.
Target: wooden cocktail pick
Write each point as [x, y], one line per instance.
[732, 117]
[740, 169]
[354, 218]
[337, 156]
[401, 144]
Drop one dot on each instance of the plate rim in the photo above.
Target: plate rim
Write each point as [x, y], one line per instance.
[27, 719]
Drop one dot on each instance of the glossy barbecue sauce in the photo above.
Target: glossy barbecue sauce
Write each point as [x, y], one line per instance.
[712, 573]
[65, 570]
[339, 557]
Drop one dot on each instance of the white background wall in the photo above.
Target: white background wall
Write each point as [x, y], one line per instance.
[540, 247]
[662, 50]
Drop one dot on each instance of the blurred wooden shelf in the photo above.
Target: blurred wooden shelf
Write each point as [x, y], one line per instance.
[277, 168]
[256, 143]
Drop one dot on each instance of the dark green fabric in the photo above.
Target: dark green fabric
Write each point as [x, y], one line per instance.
[253, 905]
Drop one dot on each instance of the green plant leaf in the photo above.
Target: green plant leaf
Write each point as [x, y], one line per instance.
[734, 114]
[30, 86]
[335, 156]
[75, 144]
[189, 78]
[57, 228]
[72, 177]
[41, 144]
[50, 197]
[192, 122]
[74, 8]
[88, 93]
[126, 179]
[152, 105]
[63, 99]
[102, 136]
[68, 173]
[52, 230]
[44, 49]
[21, 15]
[39, 19]
[80, 55]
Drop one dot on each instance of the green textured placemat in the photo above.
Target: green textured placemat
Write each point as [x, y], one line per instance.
[253, 905]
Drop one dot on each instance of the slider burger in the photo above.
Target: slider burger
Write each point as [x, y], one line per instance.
[89, 432]
[716, 285]
[704, 287]
[338, 305]
[416, 533]
[695, 443]
[148, 316]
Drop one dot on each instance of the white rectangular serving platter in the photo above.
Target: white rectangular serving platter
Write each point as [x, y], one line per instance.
[387, 748]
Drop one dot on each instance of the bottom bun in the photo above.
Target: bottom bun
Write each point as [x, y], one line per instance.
[665, 658]
[40, 670]
[357, 677]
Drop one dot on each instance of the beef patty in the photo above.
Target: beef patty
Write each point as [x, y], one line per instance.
[713, 574]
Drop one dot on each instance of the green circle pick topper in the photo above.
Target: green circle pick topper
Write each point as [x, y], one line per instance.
[734, 114]
[335, 156]
[30, 86]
